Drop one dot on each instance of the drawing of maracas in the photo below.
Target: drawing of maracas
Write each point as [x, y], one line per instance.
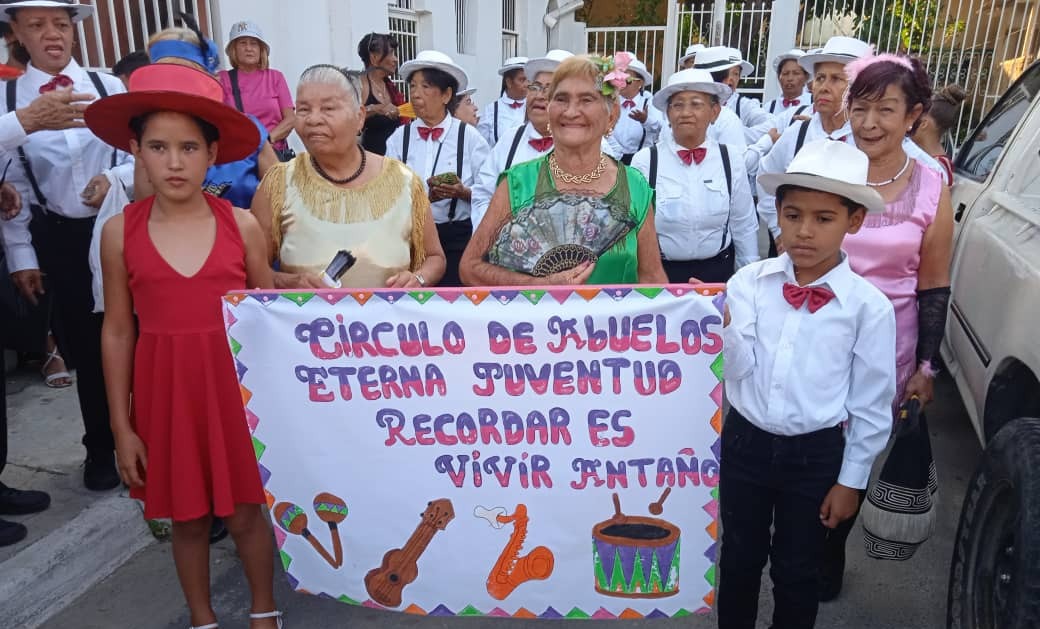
[332, 510]
[292, 518]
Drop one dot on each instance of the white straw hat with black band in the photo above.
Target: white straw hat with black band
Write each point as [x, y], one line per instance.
[838, 49]
[512, 63]
[746, 67]
[794, 55]
[690, 80]
[548, 63]
[79, 11]
[718, 58]
[829, 166]
[432, 59]
[691, 52]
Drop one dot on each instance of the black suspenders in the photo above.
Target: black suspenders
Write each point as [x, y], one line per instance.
[516, 143]
[724, 152]
[459, 154]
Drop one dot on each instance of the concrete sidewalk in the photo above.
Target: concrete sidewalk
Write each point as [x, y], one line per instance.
[84, 536]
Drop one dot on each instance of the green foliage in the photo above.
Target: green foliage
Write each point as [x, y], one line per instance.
[911, 26]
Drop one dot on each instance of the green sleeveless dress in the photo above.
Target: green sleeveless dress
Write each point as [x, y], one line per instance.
[532, 191]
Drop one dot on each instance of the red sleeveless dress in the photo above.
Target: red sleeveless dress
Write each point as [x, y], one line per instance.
[186, 403]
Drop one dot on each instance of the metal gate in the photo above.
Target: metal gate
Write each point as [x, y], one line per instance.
[982, 45]
[120, 27]
[645, 42]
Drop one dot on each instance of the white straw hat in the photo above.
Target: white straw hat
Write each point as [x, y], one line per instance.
[718, 58]
[437, 61]
[80, 12]
[829, 166]
[690, 80]
[794, 53]
[548, 63]
[512, 63]
[691, 52]
[838, 49]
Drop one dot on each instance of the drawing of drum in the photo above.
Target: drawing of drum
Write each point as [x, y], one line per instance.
[635, 556]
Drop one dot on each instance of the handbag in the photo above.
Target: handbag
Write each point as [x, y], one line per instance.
[899, 513]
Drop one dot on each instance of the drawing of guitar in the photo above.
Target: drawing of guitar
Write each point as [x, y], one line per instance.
[512, 570]
[400, 565]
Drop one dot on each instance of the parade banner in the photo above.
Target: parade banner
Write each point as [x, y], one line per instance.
[548, 453]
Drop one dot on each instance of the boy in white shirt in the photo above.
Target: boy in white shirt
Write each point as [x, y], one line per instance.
[809, 348]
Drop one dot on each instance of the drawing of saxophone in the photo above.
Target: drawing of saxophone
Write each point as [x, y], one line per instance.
[511, 570]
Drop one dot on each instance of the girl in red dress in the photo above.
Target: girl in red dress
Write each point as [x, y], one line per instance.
[182, 442]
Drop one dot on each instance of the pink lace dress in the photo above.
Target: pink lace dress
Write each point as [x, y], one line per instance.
[887, 252]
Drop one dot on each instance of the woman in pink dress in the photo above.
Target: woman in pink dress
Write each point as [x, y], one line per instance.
[904, 252]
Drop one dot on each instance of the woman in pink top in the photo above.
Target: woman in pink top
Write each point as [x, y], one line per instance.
[906, 251]
[261, 91]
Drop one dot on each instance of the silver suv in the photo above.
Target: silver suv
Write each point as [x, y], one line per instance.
[993, 354]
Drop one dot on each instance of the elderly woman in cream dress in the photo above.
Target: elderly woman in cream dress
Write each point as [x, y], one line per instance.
[337, 196]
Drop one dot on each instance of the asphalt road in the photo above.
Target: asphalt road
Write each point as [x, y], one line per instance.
[877, 595]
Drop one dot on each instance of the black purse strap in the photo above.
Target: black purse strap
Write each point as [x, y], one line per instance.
[12, 99]
[237, 93]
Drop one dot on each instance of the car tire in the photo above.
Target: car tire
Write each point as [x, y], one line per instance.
[995, 572]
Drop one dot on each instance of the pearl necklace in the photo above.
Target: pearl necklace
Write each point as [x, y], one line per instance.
[559, 173]
[892, 180]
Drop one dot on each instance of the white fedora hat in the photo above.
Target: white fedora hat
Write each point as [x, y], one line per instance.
[829, 166]
[838, 49]
[548, 63]
[639, 68]
[718, 58]
[691, 80]
[691, 52]
[794, 53]
[513, 63]
[246, 28]
[467, 92]
[746, 67]
[436, 61]
[80, 12]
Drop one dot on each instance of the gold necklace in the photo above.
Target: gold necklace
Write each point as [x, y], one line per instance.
[558, 172]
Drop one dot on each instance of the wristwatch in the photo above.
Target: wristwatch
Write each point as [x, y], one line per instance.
[419, 278]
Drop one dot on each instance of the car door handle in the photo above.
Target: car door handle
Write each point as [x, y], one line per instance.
[959, 214]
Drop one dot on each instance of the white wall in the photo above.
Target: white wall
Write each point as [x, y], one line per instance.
[305, 32]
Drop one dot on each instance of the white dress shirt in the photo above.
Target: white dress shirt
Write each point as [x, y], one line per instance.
[62, 161]
[695, 215]
[630, 136]
[753, 117]
[508, 118]
[492, 169]
[790, 372]
[780, 155]
[435, 157]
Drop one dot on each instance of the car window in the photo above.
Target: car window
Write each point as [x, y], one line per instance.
[980, 153]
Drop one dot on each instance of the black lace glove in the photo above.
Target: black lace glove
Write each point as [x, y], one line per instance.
[932, 307]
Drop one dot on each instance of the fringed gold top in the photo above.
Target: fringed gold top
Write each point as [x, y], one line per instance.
[381, 222]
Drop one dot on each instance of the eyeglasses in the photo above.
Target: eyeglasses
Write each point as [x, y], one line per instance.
[537, 88]
[632, 79]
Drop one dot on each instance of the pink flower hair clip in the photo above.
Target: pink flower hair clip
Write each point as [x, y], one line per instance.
[617, 77]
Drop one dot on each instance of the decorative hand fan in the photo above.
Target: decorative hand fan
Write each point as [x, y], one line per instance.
[559, 233]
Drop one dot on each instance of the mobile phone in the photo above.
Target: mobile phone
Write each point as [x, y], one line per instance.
[340, 264]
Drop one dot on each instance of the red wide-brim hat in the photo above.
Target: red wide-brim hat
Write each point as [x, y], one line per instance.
[176, 88]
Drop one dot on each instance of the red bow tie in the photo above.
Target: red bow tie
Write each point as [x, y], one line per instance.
[696, 155]
[817, 296]
[426, 132]
[793, 101]
[60, 80]
[541, 144]
[516, 104]
[628, 104]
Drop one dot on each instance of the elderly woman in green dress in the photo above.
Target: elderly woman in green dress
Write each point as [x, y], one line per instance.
[573, 216]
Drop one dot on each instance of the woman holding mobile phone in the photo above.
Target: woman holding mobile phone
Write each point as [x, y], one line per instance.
[445, 152]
